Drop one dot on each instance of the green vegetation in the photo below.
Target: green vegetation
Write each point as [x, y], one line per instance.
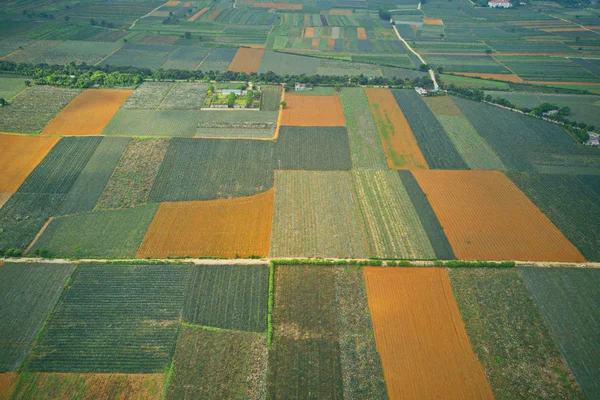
[10, 87]
[113, 318]
[28, 293]
[152, 123]
[237, 124]
[228, 297]
[509, 336]
[313, 148]
[271, 96]
[209, 169]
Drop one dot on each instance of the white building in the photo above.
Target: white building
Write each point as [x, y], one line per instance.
[499, 4]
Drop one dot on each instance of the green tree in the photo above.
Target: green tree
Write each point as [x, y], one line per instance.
[283, 104]
[2, 102]
[187, 35]
[231, 100]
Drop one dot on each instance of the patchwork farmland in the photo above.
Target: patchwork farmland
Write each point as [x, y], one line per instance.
[356, 199]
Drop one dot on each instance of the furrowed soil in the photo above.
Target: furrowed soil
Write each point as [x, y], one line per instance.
[88, 386]
[7, 384]
[397, 138]
[486, 217]
[220, 228]
[312, 111]
[423, 344]
[88, 113]
[246, 60]
[499, 77]
[20, 156]
[432, 21]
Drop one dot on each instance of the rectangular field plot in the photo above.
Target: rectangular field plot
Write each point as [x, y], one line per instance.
[312, 111]
[568, 300]
[78, 52]
[184, 96]
[509, 335]
[570, 203]
[315, 216]
[134, 174]
[33, 108]
[424, 348]
[313, 148]
[365, 146]
[140, 55]
[153, 123]
[228, 297]
[20, 156]
[208, 169]
[88, 386]
[391, 223]
[10, 87]
[239, 227]
[397, 138]
[218, 60]
[555, 69]
[287, 64]
[113, 318]
[473, 149]
[271, 98]
[210, 364]
[28, 292]
[246, 60]
[108, 234]
[486, 217]
[186, 58]
[237, 124]
[437, 148]
[88, 113]
[147, 96]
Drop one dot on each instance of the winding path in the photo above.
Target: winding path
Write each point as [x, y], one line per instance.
[431, 73]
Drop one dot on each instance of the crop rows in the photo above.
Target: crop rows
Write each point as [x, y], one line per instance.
[78, 52]
[152, 123]
[271, 97]
[249, 124]
[140, 55]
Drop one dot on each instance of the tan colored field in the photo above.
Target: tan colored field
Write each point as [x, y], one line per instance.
[424, 348]
[330, 44]
[198, 14]
[399, 143]
[315, 43]
[187, 4]
[246, 60]
[221, 228]
[211, 17]
[362, 34]
[432, 21]
[340, 12]
[498, 77]
[486, 217]
[443, 105]
[89, 386]
[6, 381]
[278, 5]
[309, 32]
[172, 3]
[19, 155]
[4, 196]
[88, 113]
[312, 111]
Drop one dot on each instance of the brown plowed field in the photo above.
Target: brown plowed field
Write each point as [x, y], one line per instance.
[312, 111]
[6, 382]
[424, 348]
[88, 113]
[246, 60]
[19, 155]
[4, 196]
[499, 77]
[172, 3]
[221, 228]
[432, 21]
[397, 138]
[362, 34]
[198, 14]
[486, 217]
[340, 12]
[309, 32]
[443, 105]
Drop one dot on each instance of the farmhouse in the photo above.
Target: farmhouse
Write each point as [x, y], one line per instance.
[301, 86]
[499, 4]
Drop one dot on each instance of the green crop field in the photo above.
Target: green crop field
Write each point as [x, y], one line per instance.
[237, 124]
[569, 204]
[30, 111]
[218, 364]
[10, 87]
[473, 83]
[290, 64]
[218, 59]
[568, 300]
[147, 96]
[392, 226]
[313, 148]
[460, 63]
[152, 123]
[186, 57]
[432, 226]
[78, 51]
[437, 148]
[206, 169]
[365, 146]
[271, 97]
[184, 96]
[509, 336]
[88, 187]
[556, 159]
[315, 216]
[140, 55]
[32, 51]
[113, 318]
[28, 292]
[228, 297]
[98, 234]
[555, 69]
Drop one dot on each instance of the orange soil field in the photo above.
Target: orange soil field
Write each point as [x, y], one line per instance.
[443, 105]
[498, 77]
[6, 381]
[309, 32]
[340, 12]
[399, 143]
[88, 113]
[221, 228]
[312, 111]
[315, 42]
[330, 44]
[20, 155]
[432, 21]
[276, 5]
[172, 3]
[362, 34]
[424, 348]
[198, 14]
[4, 196]
[187, 4]
[246, 60]
[486, 217]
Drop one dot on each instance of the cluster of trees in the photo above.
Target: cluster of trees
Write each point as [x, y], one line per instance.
[102, 23]
[385, 14]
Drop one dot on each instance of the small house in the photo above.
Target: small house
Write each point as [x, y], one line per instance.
[300, 86]
[499, 4]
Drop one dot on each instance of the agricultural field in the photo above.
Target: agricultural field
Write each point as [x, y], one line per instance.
[10, 87]
[246, 60]
[228, 228]
[312, 111]
[151, 56]
[489, 218]
[424, 347]
[271, 98]
[237, 124]
[158, 123]
[498, 311]
[568, 301]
